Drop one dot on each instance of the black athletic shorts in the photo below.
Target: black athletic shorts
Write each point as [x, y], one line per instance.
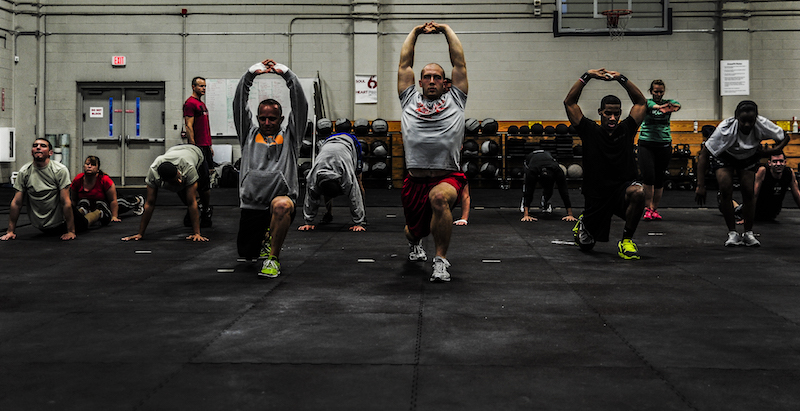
[725, 160]
[253, 226]
[599, 210]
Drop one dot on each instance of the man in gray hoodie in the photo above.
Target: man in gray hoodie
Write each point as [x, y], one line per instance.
[268, 183]
[336, 171]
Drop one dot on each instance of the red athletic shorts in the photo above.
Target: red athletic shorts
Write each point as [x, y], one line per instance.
[416, 205]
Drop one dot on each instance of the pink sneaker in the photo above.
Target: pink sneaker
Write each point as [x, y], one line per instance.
[654, 215]
[648, 214]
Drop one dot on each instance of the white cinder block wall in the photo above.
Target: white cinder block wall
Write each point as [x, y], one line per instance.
[517, 69]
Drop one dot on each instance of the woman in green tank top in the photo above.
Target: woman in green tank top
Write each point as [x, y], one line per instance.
[655, 147]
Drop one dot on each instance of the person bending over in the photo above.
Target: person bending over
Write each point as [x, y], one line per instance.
[541, 167]
[336, 171]
[735, 147]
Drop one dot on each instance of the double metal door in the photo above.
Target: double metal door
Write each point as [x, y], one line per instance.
[123, 127]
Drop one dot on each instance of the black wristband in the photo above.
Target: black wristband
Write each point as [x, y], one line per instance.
[622, 79]
[585, 78]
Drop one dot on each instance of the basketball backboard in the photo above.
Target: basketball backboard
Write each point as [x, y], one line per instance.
[585, 18]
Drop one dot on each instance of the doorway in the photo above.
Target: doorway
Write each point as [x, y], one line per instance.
[123, 125]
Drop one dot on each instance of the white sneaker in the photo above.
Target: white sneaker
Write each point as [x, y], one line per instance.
[416, 252]
[734, 239]
[750, 240]
[440, 273]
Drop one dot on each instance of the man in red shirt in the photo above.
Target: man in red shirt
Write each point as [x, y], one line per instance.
[198, 132]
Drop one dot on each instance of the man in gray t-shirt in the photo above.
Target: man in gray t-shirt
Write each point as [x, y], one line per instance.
[45, 184]
[433, 129]
[181, 169]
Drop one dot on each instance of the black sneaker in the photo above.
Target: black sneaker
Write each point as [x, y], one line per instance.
[105, 212]
[582, 237]
[84, 206]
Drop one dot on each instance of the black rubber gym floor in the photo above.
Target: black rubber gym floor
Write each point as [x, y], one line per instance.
[528, 321]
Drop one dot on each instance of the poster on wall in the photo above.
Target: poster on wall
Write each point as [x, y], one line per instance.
[734, 77]
[366, 89]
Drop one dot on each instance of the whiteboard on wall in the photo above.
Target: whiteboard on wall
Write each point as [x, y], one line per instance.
[220, 92]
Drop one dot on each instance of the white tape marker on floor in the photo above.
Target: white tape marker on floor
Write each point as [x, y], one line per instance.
[490, 261]
[391, 215]
[655, 233]
[143, 251]
[562, 242]
[366, 260]
[224, 270]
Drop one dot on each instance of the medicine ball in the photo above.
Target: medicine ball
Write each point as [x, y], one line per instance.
[489, 170]
[524, 130]
[380, 127]
[364, 147]
[577, 151]
[563, 168]
[470, 169]
[379, 170]
[365, 170]
[378, 148]
[490, 148]
[513, 130]
[549, 130]
[471, 126]
[489, 127]
[575, 171]
[324, 127]
[470, 148]
[572, 130]
[361, 127]
[343, 125]
[562, 129]
[537, 129]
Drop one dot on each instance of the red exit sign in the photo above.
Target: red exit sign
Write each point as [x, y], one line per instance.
[118, 61]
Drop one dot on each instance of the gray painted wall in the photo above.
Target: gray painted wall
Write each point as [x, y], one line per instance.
[518, 70]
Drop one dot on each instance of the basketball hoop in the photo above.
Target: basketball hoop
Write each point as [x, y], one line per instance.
[616, 22]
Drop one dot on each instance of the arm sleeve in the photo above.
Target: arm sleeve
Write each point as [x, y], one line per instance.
[356, 204]
[299, 117]
[63, 179]
[311, 205]
[188, 109]
[769, 130]
[242, 118]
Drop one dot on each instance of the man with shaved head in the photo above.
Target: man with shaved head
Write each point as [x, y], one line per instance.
[433, 130]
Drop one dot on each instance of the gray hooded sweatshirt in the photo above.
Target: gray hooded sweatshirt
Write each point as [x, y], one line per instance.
[269, 163]
[337, 160]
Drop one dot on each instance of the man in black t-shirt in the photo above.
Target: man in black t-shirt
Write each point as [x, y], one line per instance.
[609, 164]
[772, 183]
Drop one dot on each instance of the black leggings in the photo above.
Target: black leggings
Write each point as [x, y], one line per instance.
[653, 162]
